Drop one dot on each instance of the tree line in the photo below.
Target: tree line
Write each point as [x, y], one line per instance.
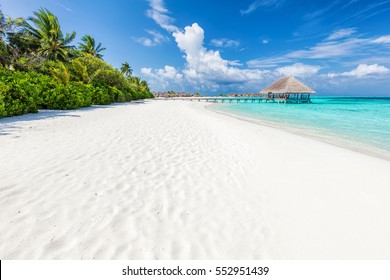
[40, 68]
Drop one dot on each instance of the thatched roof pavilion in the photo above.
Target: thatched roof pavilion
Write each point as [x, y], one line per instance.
[288, 89]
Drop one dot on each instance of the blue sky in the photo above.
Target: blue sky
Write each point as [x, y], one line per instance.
[336, 47]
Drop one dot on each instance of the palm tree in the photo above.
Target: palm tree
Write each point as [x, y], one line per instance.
[126, 69]
[46, 35]
[89, 46]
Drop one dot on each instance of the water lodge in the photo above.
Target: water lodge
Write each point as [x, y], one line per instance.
[288, 90]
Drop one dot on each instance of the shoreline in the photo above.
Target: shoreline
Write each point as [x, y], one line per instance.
[327, 139]
[170, 180]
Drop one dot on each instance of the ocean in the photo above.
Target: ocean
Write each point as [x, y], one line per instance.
[357, 123]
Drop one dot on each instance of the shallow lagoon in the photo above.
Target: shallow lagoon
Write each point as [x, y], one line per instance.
[359, 123]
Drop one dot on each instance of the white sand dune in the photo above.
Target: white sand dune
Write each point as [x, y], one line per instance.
[172, 180]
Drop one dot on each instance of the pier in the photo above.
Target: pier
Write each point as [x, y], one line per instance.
[221, 99]
[243, 99]
[285, 90]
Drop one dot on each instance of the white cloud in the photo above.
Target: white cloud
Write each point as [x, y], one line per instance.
[323, 50]
[164, 78]
[225, 43]
[158, 5]
[341, 33]
[331, 49]
[156, 39]
[146, 71]
[269, 62]
[147, 42]
[361, 50]
[261, 3]
[204, 69]
[298, 69]
[382, 40]
[362, 70]
[207, 66]
[168, 72]
[235, 63]
[380, 59]
[265, 41]
[158, 13]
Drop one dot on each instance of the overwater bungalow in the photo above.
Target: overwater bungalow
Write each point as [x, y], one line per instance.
[289, 90]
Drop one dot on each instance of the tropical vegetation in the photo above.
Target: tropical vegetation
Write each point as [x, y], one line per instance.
[41, 68]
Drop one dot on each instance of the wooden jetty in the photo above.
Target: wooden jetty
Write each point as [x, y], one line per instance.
[223, 99]
[240, 99]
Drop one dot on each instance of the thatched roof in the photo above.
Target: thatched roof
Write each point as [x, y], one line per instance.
[287, 85]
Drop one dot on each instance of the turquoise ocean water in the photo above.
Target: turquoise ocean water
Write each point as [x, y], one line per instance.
[356, 123]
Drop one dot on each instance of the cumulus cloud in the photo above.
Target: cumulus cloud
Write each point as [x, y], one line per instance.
[225, 43]
[341, 33]
[362, 70]
[163, 78]
[298, 69]
[204, 68]
[146, 71]
[207, 66]
[168, 72]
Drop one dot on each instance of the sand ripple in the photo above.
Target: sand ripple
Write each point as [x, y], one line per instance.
[163, 180]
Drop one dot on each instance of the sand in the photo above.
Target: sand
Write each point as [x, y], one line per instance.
[174, 180]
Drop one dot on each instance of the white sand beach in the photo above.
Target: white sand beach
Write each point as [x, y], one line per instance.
[173, 180]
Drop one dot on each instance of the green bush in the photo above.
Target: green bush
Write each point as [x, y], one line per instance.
[71, 96]
[128, 92]
[101, 96]
[26, 92]
[105, 94]
[19, 92]
[117, 95]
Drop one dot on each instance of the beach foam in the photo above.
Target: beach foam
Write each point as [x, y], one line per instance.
[172, 180]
